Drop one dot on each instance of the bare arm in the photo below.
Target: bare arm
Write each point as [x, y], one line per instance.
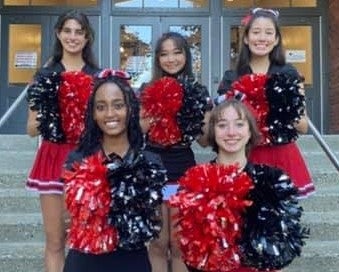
[302, 125]
[32, 123]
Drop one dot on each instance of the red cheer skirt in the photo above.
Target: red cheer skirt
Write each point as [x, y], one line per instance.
[44, 177]
[288, 158]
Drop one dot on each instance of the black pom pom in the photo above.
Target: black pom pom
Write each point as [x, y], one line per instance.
[272, 235]
[136, 188]
[42, 97]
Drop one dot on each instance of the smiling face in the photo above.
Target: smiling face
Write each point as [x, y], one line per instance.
[110, 111]
[171, 58]
[72, 37]
[262, 37]
[232, 132]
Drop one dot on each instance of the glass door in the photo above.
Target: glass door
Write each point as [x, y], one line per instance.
[22, 40]
[301, 40]
[133, 44]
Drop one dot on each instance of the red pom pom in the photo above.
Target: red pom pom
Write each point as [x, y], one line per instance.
[161, 101]
[88, 200]
[253, 87]
[73, 95]
[210, 207]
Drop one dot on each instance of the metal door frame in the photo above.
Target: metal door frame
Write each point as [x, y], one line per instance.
[161, 24]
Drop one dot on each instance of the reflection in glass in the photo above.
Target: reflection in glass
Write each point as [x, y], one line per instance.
[136, 52]
[161, 3]
[50, 3]
[128, 3]
[192, 33]
[269, 3]
[194, 3]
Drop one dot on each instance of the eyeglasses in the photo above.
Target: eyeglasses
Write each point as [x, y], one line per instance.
[108, 72]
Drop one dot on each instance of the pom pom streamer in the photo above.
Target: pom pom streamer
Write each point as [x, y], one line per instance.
[210, 203]
[251, 90]
[136, 186]
[191, 115]
[42, 97]
[272, 235]
[287, 105]
[73, 96]
[274, 100]
[88, 201]
[161, 102]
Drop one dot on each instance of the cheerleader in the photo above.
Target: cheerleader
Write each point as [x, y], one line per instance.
[113, 189]
[57, 99]
[262, 56]
[233, 215]
[174, 111]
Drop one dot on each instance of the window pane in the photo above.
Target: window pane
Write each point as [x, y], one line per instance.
[136, 53]
[192, 33]
[194, 3]
[304, 3]
[161, 3]
[16, 3]
[272, 3]
[297, 41]
[50, 2]
[238, 3]
[269, 3]
[24, 52]
[128, 3]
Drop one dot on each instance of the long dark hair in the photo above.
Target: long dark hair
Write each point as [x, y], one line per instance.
[182, 44]
[92, 135]
[276, 56]
[87, 53]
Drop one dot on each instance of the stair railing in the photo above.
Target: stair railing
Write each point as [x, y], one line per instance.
[323, 144]
[13, 107]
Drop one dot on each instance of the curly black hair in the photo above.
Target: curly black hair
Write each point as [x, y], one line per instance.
[91, 137]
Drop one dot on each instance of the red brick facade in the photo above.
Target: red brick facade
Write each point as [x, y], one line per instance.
[333, 66]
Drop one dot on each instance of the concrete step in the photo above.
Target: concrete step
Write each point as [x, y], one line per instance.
[24, 227]
[325, 198]
[309, 143]
[317, 257]
[21, 257]
[14, 200]
[16, 161]
[324, 226]
[18, 142]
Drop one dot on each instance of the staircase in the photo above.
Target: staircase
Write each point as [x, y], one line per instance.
[21, 236]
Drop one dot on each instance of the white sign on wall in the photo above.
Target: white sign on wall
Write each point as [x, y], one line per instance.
[26, 60]
[295, 56]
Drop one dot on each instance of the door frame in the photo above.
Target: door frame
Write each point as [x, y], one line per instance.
[161, 24]
[315, 97]
[9, 92]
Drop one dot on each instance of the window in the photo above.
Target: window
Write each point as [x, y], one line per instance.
[161, 3]
[269, 3]
[77, 3]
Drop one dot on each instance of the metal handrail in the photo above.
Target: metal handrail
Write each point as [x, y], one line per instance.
[323, 144]
[13, 107]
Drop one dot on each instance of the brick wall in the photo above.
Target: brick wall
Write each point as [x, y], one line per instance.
[333, 66]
